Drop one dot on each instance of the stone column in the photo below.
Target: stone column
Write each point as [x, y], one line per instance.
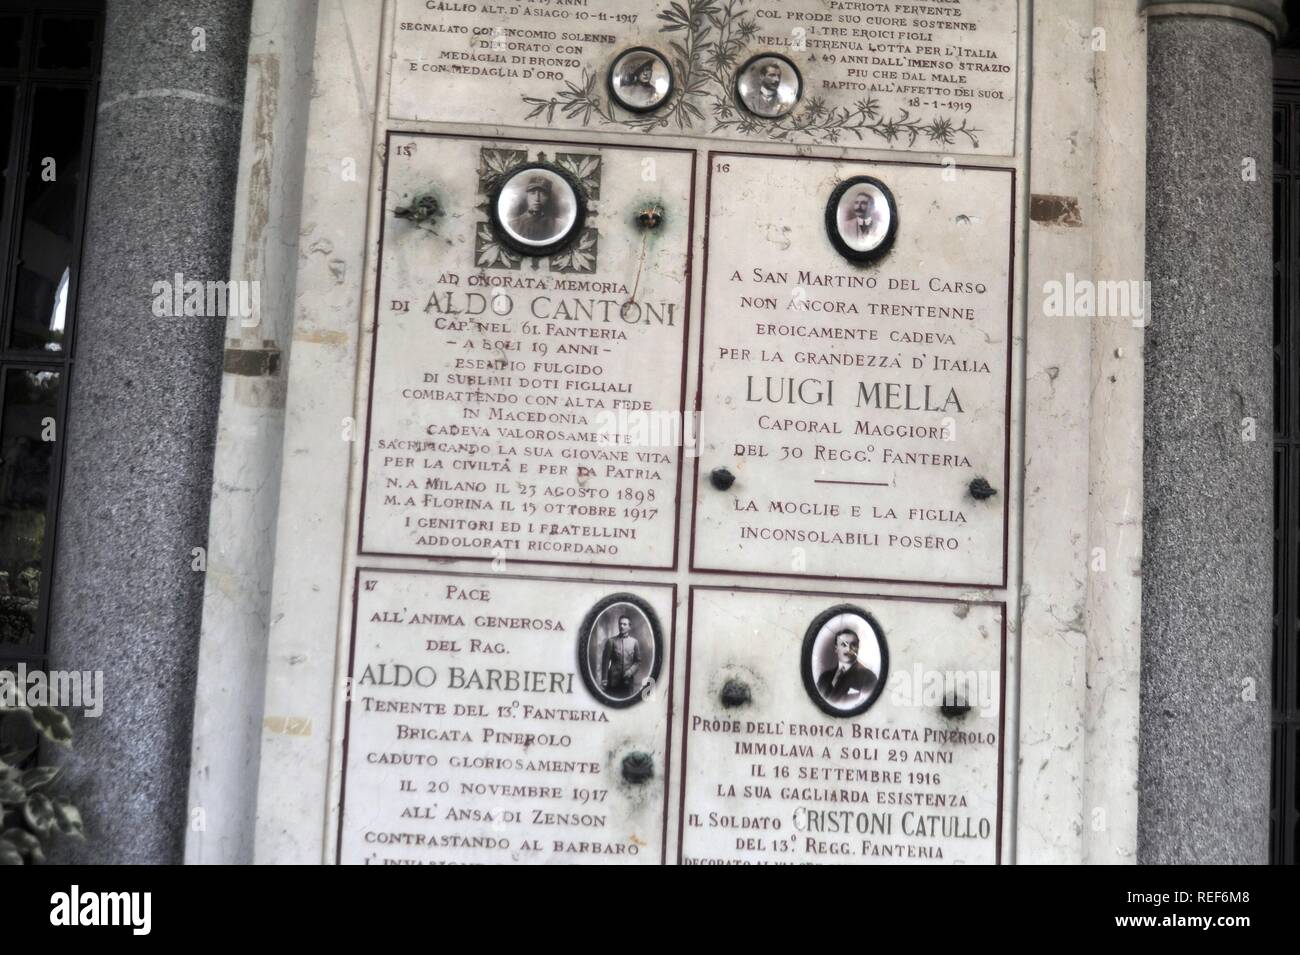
[1207, 542]
[142, 414]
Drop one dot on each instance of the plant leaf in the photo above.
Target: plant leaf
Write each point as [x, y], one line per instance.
[39, 776]
[68, 819]
[12, 791]
[9, 854]
[38, 811]
[53, 724]
[24, 842]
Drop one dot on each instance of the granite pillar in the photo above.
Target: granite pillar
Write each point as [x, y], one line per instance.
[143, 403]
[1207, 543]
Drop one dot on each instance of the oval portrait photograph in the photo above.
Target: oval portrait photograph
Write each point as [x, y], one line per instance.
[768, 85]
[861, 218]
[640, 79]
[537, 209]
[620, 648]
[845, 660]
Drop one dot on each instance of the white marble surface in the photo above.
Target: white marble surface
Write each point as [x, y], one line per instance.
[779, 780]
[473, 736]
[308, 589]
[822, 386]
[499, 392]
[890, 77]
[246, 484]
[1071, 637]
[1115, 467]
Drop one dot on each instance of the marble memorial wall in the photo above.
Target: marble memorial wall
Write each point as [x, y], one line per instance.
[683, 486]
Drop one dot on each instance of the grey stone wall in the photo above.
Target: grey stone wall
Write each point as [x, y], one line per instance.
[142, 415]
[1207, 543]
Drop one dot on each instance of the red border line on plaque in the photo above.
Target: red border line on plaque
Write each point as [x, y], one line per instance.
[686, 686]
[352, 648]
[1006, 424]
[374, 349]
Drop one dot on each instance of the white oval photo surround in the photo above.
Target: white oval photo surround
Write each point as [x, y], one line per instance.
[522, 222]
[879, 217]
[642, 631]
[868, 642]
[822, 660]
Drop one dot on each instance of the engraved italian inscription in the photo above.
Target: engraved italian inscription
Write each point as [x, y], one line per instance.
[527, 378]
[939, 76]
[473, 733]
[854, 403]
[867, 730]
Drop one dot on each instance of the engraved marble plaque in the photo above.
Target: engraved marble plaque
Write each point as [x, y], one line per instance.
[489, 721]
[854, 403]
[531, 237]
[937, 77]
[772, 775]
[528, 407]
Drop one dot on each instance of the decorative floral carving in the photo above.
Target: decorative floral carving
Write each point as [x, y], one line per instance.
[714, 36]
[580, 255]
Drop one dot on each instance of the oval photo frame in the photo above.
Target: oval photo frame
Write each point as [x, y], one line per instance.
[515, 185]
[745, 99]
[599, 666]
[818, 684]
[616, 92]
[871, 247]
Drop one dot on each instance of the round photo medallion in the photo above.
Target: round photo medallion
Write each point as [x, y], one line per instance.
[768, 85]
[640, 79]
[861, 218]
[620, 650]
[845, 660]
[537, 209]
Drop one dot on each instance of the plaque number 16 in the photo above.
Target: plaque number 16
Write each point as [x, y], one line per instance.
[722, 167]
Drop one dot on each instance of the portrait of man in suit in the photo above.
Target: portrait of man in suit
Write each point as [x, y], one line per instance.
[766, 100]
[848, 682]
[845, 660]
[768, 86]
[861, 222]
[864, 218]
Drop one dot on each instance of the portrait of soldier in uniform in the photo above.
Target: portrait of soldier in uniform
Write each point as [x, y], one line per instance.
[844, 661]
[768, 86]
[620, 660]
[619, 649]
[536, 207]
[640, 79]
[535, 222]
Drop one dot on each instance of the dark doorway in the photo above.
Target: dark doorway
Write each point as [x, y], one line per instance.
[49, 83]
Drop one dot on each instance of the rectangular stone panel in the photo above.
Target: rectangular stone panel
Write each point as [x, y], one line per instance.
[855, 402]
[528, 408]
[783, 763]
[483, 726]
[936, 77]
